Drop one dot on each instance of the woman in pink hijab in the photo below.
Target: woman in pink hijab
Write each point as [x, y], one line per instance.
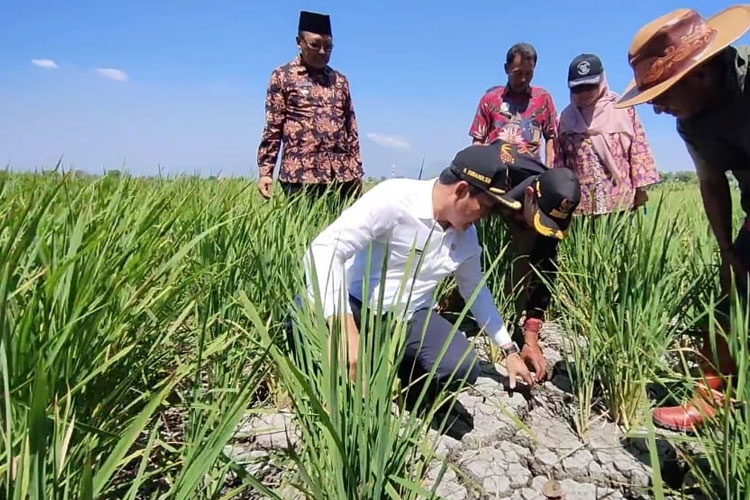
[604, 146]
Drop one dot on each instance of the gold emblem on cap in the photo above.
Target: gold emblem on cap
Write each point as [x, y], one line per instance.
[506, 155]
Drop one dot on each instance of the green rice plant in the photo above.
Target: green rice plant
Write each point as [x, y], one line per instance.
[621, 285]
[111, 330]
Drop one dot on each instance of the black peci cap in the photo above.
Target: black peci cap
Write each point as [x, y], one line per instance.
[585, 69]
[320, 24]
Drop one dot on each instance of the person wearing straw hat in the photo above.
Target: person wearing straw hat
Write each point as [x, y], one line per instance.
[309, 110]
[686, 66]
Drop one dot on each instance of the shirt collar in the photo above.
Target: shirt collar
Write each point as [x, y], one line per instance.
[301, 69]
[507, 90]
[737, 62]
[423, 208]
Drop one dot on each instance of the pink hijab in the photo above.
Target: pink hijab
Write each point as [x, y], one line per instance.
[599, 121]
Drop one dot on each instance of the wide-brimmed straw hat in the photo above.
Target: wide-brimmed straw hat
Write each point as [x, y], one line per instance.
[666, 49]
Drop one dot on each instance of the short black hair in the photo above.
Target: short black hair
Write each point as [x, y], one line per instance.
[449, 178]
[525, 50]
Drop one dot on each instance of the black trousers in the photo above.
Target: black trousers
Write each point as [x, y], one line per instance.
[422, 353]
[345, 189]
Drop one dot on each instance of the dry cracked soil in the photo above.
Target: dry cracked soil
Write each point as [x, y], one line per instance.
[522, 446]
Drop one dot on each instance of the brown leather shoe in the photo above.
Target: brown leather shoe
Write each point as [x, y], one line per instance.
[693, 414]
[709, 395]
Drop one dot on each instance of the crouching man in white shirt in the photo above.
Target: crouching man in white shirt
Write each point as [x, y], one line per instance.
[434, 218]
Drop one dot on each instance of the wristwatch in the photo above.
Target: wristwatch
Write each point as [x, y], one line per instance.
[512, 349]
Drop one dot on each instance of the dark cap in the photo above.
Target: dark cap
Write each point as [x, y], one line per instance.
[585, 69]
[313, 22]
[558, 193]
[481, 167]
[519, 163]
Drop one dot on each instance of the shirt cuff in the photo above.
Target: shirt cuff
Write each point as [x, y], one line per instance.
[265, 171]
[501, 337]
[336, 304]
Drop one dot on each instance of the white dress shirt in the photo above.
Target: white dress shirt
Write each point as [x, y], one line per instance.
[397, 216]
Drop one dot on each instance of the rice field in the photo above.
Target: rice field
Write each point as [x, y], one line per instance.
[142, 319]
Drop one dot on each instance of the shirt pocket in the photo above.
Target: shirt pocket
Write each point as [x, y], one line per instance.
[535, 133]
[301, 103]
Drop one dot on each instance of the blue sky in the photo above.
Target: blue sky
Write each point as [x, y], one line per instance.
[181, 85]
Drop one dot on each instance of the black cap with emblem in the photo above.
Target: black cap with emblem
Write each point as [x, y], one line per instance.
[557, 191]
[585, 69]
[481, 166]
[320, 24]
[557, 194]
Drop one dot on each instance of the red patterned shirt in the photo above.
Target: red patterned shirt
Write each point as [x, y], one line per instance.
[312, 114]
[521, 119]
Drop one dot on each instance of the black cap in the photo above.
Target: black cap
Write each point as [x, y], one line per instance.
[520, 164]
[585, 69]
[558, 193]
[313, 22]
[480, 166]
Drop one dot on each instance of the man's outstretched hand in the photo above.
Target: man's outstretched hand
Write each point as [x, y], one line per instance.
[534, 358]
[517, 369]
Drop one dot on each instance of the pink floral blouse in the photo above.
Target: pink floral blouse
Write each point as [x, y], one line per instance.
[600, 194]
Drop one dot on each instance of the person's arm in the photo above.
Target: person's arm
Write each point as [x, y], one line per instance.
[367, 219]
[550, 132]
[480, 127]
[325, 262]
[543, 257]
[549, 159]
[270, 142]
[468, 277]
[352, 131]
[559, 160]
[717, 203]
[643, 171]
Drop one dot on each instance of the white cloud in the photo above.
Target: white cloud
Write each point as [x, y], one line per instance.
[388, 141]
[113, 74]
[44, 63]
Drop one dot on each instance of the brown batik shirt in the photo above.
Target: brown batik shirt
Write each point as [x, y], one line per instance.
[312, 114]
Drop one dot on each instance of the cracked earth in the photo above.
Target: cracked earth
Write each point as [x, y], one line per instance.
[522, 447]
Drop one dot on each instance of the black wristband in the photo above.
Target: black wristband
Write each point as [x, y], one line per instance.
[513, 349]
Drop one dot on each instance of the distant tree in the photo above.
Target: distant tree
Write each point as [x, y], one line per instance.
[682, 177]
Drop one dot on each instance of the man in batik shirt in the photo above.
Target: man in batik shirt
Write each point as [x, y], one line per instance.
[518, 113]
[309, 109]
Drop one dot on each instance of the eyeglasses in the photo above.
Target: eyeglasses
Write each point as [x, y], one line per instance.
[317, 48]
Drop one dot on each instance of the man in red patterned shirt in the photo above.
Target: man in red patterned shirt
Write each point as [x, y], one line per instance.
[309, 109]
[518, 113]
